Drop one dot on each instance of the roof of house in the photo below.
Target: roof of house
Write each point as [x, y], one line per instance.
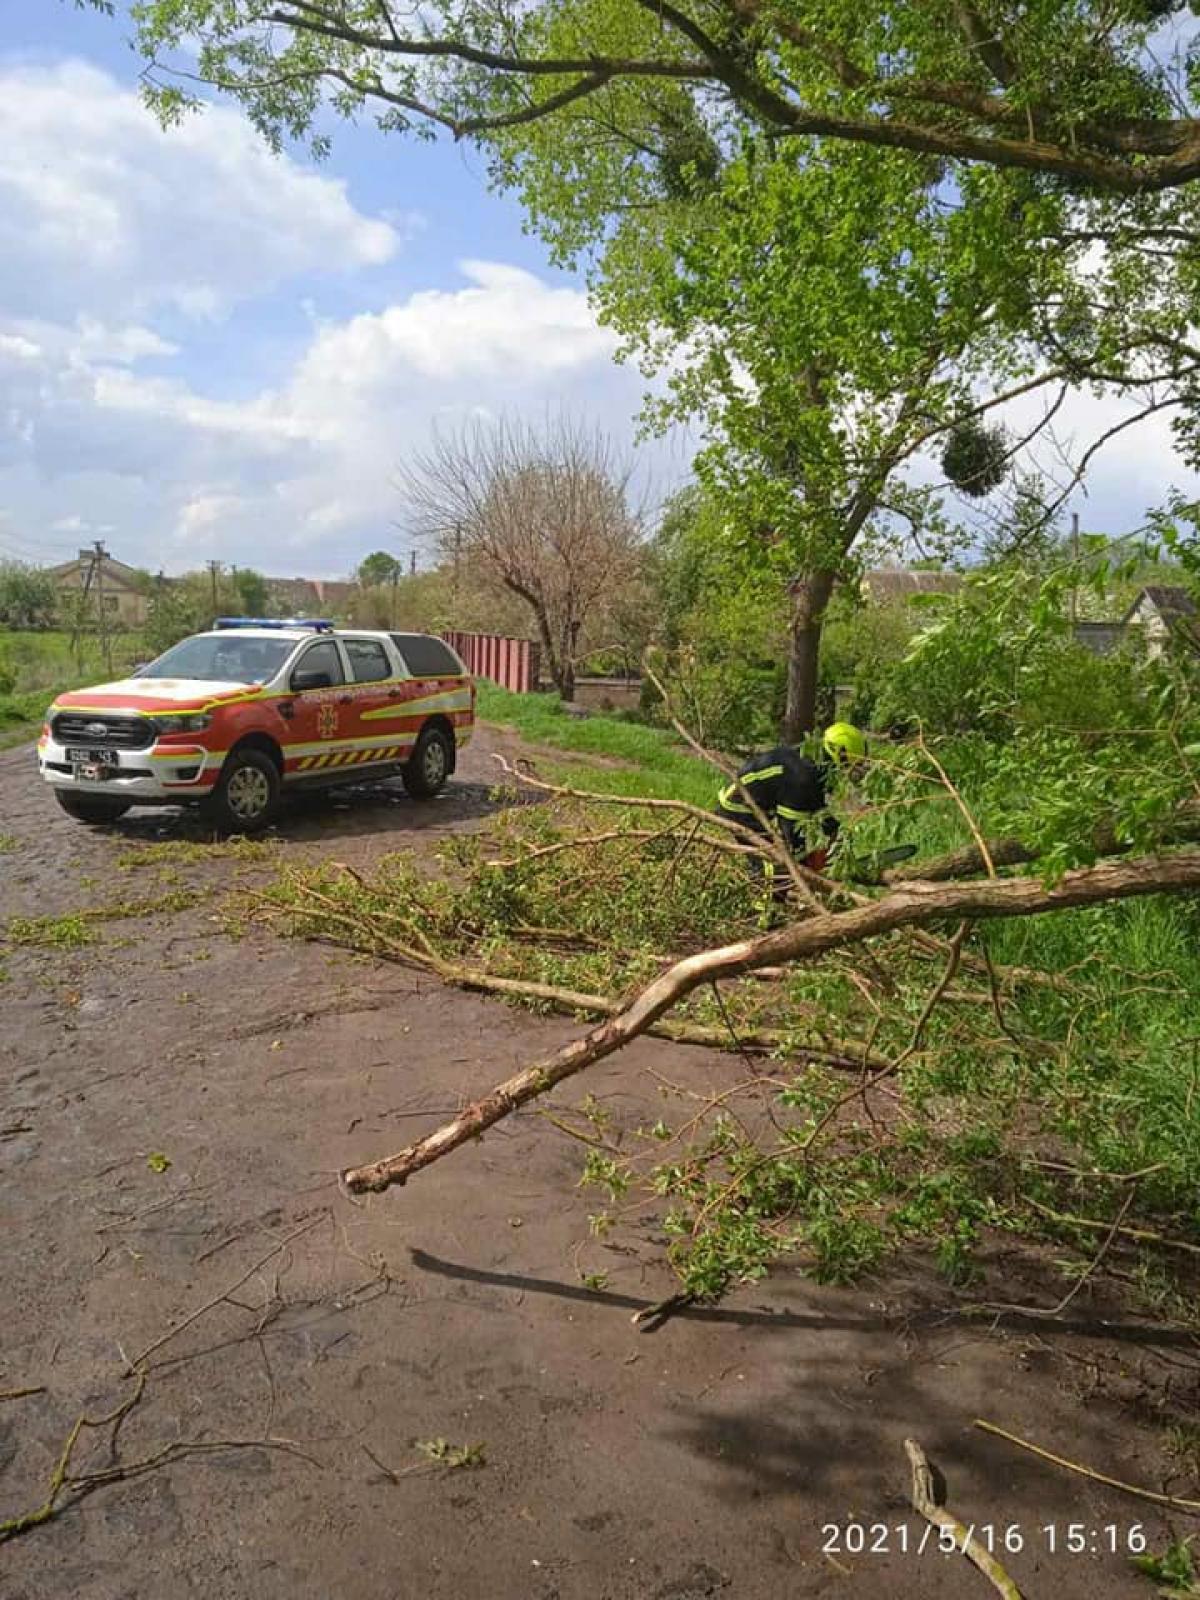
[302, 595]
[898, 583]
[114, 571]
[1174, 606]
[1170, 601]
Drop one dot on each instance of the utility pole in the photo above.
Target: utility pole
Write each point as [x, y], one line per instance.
[81, 611]
[412, 563]
[214, 572]
[98, 567]
[457, 557]
[395, 582]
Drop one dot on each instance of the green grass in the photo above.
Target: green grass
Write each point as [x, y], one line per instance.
[653, 761]
[37, 666]
[21, 716]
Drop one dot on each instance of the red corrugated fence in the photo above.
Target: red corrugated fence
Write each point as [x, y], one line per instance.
[512, 663]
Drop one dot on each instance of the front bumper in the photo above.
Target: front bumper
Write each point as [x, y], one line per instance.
[164, 773]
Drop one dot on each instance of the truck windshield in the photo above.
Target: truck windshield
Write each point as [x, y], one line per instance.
[222, 658]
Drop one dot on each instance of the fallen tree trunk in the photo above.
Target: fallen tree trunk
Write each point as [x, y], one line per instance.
[968, 862]
[913, 906]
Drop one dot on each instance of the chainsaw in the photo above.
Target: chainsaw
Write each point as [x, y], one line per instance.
[862, 869]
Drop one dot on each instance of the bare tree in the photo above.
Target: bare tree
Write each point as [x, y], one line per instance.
[546, 510]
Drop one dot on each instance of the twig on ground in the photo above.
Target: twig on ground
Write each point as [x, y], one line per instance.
[1087, 1472]
[1142, 1235]
[138, 1362]
[19, 1394]
[925, 1501]
[1089, 1271]
[650, 1318]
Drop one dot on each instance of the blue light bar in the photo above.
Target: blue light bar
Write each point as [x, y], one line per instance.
[317, 624]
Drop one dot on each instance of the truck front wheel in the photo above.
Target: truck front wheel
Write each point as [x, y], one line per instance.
[246, 797]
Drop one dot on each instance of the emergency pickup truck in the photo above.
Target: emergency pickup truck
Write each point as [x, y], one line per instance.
[230, 718]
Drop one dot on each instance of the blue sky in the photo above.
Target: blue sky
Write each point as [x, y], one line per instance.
[207, 351]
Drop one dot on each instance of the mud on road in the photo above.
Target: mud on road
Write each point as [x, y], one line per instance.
[703, 1459]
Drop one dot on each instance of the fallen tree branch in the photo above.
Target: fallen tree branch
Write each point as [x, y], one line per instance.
[572, 1002]
[1182, 828]
[915, 905]
[1142, 1235]
[925, 1501]
[138, 1363]
[587, 840]
[757, 844]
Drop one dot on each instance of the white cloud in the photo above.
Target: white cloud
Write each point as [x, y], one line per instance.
[102, 209]
[119, 245]
[299, 476]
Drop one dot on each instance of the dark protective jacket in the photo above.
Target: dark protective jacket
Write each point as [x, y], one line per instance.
[788, 788]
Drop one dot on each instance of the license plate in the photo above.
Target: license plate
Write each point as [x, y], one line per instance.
[91, 758]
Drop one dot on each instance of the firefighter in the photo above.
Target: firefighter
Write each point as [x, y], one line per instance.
[790, 790]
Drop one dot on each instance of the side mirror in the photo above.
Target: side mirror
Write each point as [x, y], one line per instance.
[302, 680]
[139, 669]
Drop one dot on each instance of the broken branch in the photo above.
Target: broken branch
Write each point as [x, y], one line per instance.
[915, 905]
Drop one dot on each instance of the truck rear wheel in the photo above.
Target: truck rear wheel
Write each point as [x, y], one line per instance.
[426, 770]
[246, 797]
[94, 809]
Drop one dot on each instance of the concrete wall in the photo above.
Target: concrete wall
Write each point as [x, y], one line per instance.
[608, 694]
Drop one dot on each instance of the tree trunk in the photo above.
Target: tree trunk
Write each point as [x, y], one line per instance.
[809, 598]
[551, 659]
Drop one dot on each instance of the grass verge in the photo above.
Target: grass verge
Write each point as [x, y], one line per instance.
[654, 761]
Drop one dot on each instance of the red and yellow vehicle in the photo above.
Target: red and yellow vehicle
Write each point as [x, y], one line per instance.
[231, 718]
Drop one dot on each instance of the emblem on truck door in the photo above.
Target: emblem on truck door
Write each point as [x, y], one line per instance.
[327, 721]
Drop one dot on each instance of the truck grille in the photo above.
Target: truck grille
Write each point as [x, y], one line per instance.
[93, 729]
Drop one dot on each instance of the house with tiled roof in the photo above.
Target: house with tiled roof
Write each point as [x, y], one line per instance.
[309, 597]
[103, 580]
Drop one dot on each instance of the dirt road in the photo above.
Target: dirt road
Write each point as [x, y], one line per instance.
[699, 1460]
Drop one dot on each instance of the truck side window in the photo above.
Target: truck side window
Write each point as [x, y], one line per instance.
[368, 660]
[426, 656]
[322, 657]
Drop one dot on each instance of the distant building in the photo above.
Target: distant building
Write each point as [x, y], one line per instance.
[1101, 638]
[892, 585]
[1164, 614]
[105, 580]
[309, 597]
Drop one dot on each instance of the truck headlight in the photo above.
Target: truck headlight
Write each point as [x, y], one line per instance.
[194, 722]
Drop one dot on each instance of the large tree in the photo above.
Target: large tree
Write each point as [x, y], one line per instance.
[826, 317]
[1079, 91]
[825, 310]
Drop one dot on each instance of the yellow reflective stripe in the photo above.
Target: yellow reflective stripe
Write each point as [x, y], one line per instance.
[443, 700]
[728, 799]
[763, 772]
[792, 816]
